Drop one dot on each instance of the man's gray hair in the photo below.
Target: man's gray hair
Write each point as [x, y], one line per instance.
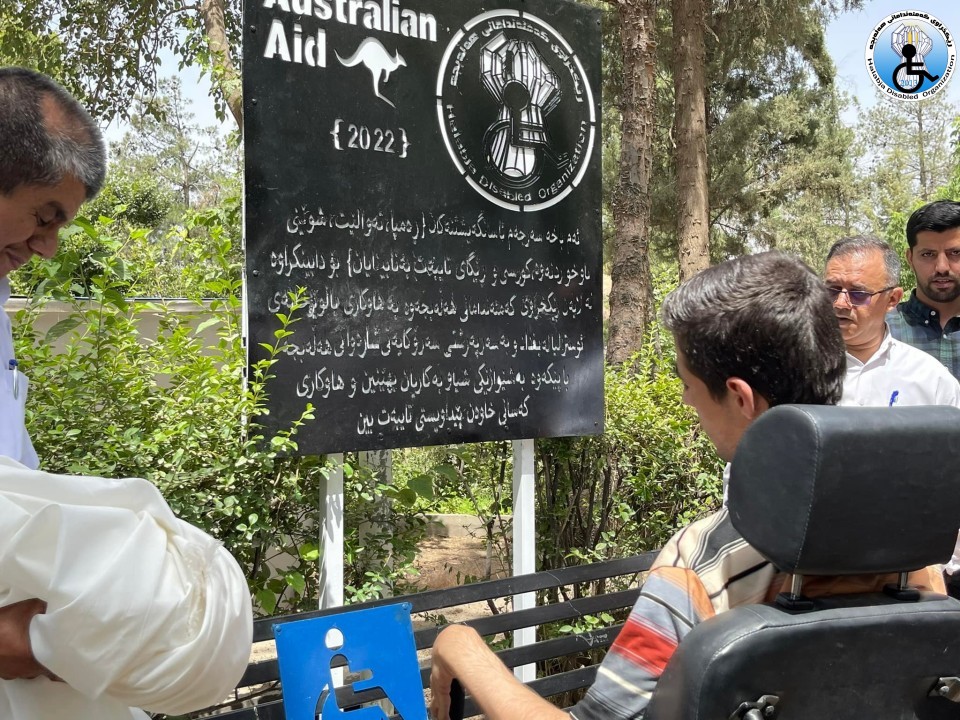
[863, 244]
[46, 135]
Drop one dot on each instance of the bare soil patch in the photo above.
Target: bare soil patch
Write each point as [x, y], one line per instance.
[445, 562]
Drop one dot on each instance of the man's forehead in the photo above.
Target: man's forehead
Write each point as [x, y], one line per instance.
[933, 239]
[855, 261]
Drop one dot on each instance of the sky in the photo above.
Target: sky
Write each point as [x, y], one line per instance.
[847, 36]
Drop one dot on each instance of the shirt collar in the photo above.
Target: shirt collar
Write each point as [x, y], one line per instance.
[917, 308]
[4, 290]
[883, 349]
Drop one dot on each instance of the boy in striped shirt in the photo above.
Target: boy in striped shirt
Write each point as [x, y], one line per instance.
[751, 333]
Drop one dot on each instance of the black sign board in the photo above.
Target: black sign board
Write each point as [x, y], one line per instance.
[429, 171]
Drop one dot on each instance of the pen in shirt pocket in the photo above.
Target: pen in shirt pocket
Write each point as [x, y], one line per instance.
[15, 378]
[893, 398]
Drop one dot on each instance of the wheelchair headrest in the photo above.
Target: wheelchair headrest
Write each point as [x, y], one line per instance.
[822, 490]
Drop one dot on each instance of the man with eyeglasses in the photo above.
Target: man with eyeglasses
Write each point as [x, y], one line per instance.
[861, 276]
[930, 318]
[741, 349]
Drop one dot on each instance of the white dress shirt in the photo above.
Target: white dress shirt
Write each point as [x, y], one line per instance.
[898, 374]
[14, 440]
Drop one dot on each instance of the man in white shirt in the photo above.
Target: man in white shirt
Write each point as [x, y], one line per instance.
[52, 159]
[107, 600]
[862, 276]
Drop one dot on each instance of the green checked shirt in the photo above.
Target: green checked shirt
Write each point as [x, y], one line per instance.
[918, 324]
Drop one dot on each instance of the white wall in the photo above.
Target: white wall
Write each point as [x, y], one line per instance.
[53, 312]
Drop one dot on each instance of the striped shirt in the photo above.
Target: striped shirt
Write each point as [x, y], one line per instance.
[916, 323]
[705, 569]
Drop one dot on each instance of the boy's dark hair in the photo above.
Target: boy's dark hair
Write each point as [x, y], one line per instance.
[765, 319]
[937, 216]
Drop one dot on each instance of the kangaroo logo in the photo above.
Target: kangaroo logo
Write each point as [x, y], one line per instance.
[377, 60]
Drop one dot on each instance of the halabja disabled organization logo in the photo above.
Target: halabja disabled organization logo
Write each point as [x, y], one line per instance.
[516, 111]
[910, 55]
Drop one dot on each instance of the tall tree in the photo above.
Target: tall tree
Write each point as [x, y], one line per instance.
[631, 296]
[195, 165]
[904, 154]
[690, 135]
[771, 114]
[109, 52]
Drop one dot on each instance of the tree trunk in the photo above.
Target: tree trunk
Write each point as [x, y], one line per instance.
[690, 136]
[224, 70]
[631, 296]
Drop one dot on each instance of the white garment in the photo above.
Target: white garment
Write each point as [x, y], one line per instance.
[898, 374]
[143, 609]
[14, 440]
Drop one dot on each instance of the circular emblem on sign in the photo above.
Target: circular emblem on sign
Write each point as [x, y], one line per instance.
[910, 55]
[516, 111]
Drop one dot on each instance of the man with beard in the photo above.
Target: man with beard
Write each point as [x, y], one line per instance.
[751, 333]
[930, 318]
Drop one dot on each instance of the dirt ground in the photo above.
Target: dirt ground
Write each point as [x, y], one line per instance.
[447, 561]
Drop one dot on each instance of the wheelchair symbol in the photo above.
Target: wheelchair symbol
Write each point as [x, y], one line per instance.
[374, 649]
[911, 69]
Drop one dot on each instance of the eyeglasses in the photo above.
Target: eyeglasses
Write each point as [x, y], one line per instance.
[857, 298]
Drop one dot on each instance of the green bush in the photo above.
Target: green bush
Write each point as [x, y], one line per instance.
[628, 490]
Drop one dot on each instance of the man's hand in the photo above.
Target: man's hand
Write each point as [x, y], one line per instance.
[441, 677]
[16, 657]
[459, 652]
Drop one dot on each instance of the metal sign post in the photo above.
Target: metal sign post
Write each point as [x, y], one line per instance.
[331, 536]
[524, 542]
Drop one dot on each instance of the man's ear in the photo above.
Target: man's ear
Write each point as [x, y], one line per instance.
[750, 402]
[895, 297]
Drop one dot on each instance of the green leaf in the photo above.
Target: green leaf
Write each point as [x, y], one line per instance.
[448, 471]
[267, 600]
[309, 552]
[209, 322]
[422, 485]
[296, 581]
[62, 327]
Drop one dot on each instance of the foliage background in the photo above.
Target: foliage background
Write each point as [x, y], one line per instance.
[176, 411]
